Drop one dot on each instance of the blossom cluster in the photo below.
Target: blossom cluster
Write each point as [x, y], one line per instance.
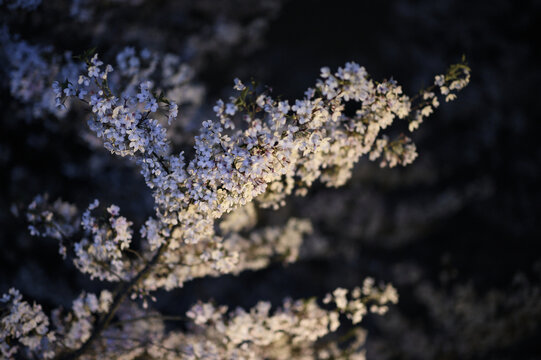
[280, 146]
[104, 250]
[31, 69]
[356, 307]
[448, 85]
[27, 325]
[289, 331]
[100, 253]
[75, 327]
[58, 220]
[231, 254]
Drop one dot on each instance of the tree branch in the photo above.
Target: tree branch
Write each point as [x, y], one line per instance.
[102, 322]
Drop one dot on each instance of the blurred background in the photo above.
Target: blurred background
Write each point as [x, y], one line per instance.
[456, 232]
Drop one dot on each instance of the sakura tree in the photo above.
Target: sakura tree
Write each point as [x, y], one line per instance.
[255, 152]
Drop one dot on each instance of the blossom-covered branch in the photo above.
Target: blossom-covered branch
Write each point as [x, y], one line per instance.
[258, 150]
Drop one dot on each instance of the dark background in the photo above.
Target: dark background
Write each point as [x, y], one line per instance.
[456, 232]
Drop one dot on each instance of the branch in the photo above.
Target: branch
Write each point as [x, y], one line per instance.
[102, 323]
